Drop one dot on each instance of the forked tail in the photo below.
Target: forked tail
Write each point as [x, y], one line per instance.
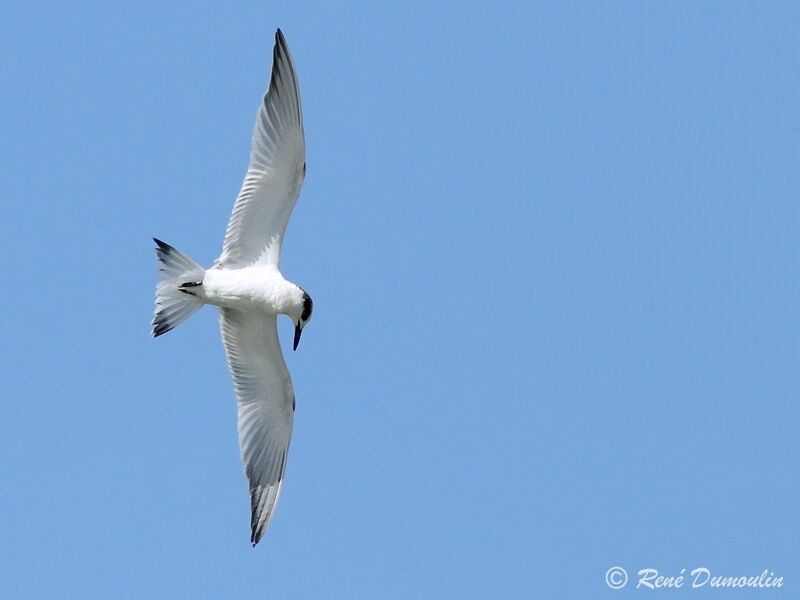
[177, 296]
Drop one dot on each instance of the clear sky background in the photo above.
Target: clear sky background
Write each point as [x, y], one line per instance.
[553, 250]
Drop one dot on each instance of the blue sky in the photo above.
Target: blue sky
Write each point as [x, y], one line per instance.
[553, 250]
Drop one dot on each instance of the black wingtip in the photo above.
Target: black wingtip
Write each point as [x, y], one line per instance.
[255, 537]
[280, 43]
[256, 532]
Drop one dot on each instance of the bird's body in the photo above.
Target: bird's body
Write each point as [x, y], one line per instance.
[247, 286]
[257, 289]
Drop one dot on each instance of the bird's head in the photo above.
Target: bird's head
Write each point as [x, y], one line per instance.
[305, 308]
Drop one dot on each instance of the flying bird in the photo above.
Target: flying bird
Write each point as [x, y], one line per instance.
[246, 285]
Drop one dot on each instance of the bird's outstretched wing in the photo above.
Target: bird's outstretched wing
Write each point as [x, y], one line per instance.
[275, 173]
[266, 407]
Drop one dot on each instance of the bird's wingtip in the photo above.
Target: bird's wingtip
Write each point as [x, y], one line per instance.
[255, 537]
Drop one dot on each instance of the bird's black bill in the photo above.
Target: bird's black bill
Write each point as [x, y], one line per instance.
[297, 331]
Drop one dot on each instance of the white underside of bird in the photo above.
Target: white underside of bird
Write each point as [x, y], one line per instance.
[246, 284]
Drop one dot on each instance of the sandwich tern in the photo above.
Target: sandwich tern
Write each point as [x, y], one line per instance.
[246, 285]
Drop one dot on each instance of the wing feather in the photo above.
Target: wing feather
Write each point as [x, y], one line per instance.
[265, 401]
[275, 173]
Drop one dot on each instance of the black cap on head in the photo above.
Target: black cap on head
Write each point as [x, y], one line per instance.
[308, 307]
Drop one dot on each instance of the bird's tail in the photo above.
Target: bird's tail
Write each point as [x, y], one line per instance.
[177, 294]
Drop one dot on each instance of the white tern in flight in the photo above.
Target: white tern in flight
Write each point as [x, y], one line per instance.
[246, 284]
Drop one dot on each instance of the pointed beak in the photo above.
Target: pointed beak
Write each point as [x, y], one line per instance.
[297, 331]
